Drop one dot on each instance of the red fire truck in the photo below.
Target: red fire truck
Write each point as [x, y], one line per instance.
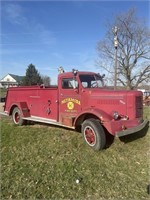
[80, 101]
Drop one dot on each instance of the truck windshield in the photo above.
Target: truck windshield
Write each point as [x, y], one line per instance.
[91, 81]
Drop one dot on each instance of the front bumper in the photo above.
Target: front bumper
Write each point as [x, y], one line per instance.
[132, 130]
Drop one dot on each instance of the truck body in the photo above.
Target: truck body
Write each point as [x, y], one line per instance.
[80, 101]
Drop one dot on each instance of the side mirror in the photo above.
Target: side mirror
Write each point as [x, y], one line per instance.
[75, 84]
[103, 75]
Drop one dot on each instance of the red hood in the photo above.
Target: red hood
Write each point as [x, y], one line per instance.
[112, 93]
[122, 101]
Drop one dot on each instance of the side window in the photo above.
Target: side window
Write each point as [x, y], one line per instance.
[85, 84]
[69, 83]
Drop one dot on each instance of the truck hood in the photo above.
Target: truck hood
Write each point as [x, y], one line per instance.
[97, 91]
[113, 94]
[108, 97]
[121, 101]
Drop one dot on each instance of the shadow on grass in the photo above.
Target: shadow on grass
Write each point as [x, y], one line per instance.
[109, 139]
[39, 124]
[134, 136]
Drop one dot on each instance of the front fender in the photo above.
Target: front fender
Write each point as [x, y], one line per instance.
[99, 114]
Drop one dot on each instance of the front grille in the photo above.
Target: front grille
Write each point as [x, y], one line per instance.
[139, 106]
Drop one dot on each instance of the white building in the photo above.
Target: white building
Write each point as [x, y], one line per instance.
[10, 80]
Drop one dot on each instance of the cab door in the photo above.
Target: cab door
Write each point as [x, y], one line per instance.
[69, 101]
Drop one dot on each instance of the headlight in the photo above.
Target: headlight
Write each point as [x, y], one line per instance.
[115, 115]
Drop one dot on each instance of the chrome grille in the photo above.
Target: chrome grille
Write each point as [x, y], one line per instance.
[139, 106]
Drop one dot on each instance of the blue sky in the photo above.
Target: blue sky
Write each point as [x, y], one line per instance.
[50, 34]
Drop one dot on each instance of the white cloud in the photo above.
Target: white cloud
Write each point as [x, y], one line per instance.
[57, 55]
[44, 35]
[15, 14]
[19, 51]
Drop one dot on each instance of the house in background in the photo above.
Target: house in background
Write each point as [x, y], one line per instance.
[11, 80]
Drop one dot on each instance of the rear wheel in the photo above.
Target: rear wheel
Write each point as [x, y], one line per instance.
[17, 117]
[94, 134]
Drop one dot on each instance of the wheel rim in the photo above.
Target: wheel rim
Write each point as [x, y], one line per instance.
[16, 117]
[90, 136]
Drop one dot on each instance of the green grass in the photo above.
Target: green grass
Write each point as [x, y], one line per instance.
[3, 92]
[43, 162]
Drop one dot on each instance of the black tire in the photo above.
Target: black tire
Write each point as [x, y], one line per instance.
[94, 134]
[17, 117]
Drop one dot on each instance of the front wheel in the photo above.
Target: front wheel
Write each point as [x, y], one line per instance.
[16, 116]
[94, 134]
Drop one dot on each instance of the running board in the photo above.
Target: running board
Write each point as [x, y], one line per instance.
[4, 113]
[47, 121]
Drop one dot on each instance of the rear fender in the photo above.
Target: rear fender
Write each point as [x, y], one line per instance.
[22, 106]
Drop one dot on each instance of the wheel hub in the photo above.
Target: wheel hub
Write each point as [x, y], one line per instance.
[90, 136]
[17, 117]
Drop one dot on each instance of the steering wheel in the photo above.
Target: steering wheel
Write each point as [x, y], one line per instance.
[93, 85]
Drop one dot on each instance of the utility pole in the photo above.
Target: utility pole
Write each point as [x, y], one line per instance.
[115, 31]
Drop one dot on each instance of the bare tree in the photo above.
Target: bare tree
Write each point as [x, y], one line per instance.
[46, 80]
[133, 56]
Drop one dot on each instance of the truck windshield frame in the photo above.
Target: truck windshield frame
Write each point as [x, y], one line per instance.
[91, 81]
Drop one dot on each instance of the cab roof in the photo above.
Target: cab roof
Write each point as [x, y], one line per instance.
[68, 74]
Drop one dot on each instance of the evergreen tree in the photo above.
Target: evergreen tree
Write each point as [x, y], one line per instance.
[32, 76]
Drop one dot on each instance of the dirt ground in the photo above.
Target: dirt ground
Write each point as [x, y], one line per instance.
[1, 107]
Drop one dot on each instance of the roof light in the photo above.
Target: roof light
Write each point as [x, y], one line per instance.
[74, 71]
